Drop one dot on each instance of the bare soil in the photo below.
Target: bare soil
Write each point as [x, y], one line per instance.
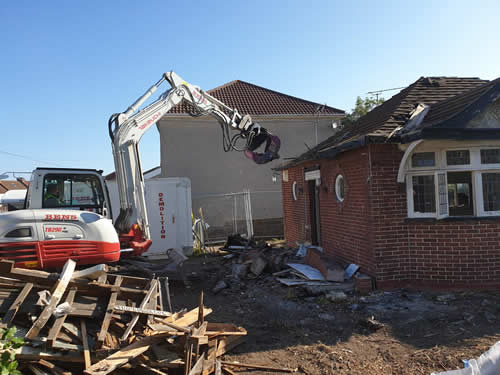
[423, 332]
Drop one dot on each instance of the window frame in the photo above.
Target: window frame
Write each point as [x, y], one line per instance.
[445, 157]
[478, 182]
[99, 195]
[338, 178]
[474, 167]
[409, 196]
[30, 229]
[436, 160]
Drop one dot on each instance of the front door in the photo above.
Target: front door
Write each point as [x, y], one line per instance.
[313, 190]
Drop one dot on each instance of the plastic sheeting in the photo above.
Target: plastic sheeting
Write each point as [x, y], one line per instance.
[487, 364]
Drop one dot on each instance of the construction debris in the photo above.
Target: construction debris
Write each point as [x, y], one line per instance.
[309, 268]
[95, 322]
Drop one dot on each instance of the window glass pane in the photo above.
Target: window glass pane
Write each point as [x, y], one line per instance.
[72, 191]
[423, 194]
[490, 156]
[21, 232]
[423, 159]
[458, 157]
[491, 191]
[460, 199]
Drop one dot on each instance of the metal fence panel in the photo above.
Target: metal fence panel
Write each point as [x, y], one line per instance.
[240, 212]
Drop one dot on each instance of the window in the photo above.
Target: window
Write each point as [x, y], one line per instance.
[423, 159]
[461, 183]
[72, 191]
[340, 188]
[460, 199]
[294, 190]
[20, 232]
[490, 156]
[424, 199]
[491, 191]
[459, 157]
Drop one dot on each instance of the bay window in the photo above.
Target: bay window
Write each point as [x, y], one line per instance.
[454, 182]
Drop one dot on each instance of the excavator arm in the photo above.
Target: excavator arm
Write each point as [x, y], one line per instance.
[127, 128]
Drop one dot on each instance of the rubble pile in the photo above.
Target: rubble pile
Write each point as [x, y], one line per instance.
[95, 322]
[306, 267]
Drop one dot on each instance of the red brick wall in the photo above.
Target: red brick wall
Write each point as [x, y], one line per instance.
[294, 212]
[388, 200]
[450, 253]
[371, 228]
[345, 226]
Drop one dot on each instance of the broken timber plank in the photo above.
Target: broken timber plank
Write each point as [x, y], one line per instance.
[138, 310]
[177, 327]
[151, 370]
[228, 371]
[92, 272]
[56, 328]
[143, 304]
[57, 293]
[153, 303]
[28, 353]
[11, 313]
[85, 342]
[72, 330]
[189, 317]
[109, 313]
[198, 367]
[122, 356]
[167, 290]
[53, 368]
[36, 370]
[67, 346]
[102, 279]
[227, 343]
[200, 311]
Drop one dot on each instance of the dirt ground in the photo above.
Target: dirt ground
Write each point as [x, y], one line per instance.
[423, 332]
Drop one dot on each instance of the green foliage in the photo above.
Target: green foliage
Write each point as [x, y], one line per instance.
[362, 107]
[9, 342]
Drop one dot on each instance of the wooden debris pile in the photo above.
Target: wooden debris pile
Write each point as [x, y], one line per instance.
[96, 323]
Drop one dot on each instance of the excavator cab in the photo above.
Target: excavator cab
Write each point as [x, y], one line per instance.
[70, 189]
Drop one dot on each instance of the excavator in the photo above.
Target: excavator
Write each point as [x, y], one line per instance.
[67, 212]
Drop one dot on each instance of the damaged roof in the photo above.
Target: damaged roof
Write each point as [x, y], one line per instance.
[461, 116]
[387, 119]
[251, 99]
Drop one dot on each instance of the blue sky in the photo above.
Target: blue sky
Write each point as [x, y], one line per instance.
[67, 65]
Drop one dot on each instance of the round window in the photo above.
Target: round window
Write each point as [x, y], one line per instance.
[294, 191]
[340, 188]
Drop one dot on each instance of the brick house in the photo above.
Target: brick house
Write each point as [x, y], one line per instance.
[411, 191]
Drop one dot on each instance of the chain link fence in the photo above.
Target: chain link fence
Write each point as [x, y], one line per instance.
[257, 214]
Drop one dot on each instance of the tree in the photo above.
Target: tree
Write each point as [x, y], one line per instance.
[362, 107]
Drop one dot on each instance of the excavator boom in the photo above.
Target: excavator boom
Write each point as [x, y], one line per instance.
[127, 128]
